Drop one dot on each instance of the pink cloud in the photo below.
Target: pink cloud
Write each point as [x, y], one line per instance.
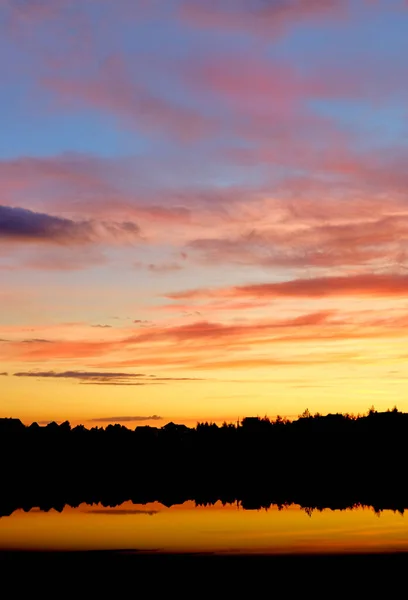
[251, 85]
[36, 180]
[114, 90]
[256, 16]
[304, 238]
[37, 10]
[290, 226]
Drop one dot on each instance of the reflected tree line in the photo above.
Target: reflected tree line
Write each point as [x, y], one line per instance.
[337, 461]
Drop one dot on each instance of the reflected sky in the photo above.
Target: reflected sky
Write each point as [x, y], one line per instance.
[216, 529]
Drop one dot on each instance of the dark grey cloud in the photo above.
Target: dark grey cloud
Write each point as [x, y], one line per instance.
[125, 419]
[128, 383]
[104, 377]
[89, 376]
[178, 378]
[122, 511]
[21, 224]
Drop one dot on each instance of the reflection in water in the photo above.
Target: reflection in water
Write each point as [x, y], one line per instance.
[217, 529]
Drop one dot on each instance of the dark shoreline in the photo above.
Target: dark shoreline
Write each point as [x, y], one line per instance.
[194, 559]
[336, 461]
[108, 573]
[126, 562]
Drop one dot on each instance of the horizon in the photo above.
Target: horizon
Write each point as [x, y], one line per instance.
[203, 209]
[154, 420]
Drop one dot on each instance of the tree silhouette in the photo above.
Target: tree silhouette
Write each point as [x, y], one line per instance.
[336, 460]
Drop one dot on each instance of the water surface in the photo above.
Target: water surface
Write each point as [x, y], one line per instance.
[215, 529]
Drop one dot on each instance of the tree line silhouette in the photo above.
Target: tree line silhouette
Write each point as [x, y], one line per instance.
[316, 461]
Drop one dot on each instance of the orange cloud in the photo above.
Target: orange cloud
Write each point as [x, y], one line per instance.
[319, 287]
[201, 344]
[49, 350]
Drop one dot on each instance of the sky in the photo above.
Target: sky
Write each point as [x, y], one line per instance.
[203, 209]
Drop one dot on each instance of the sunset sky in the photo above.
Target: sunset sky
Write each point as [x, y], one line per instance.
[203, 209]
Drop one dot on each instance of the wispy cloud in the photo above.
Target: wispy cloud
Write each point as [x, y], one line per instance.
[125, 419]
[88, 376]
[115, 91]
[104, 378]
[257, 16]
[353, 285]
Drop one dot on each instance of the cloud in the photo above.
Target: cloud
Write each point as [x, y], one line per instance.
[125, 419]
[301, 240]
[280, 332]
[104, 378]
[4, 374]
[38, 10]
[215, 360]
[87, 376]
[106, 196]
[261, 362]
[202, 343]
[33, 11]
[62, 258]
[121, 383]
[164, 267]
[281, 224]
[201, 331]
[102, 326]
[23, 225]
[73, 349]
[121, 511]
[371, 285]
[116, 91]
[260, 17]
[358, 285]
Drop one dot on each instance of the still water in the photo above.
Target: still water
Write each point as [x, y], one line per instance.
[217, 529]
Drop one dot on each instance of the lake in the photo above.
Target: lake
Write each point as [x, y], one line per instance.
[219, 529]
